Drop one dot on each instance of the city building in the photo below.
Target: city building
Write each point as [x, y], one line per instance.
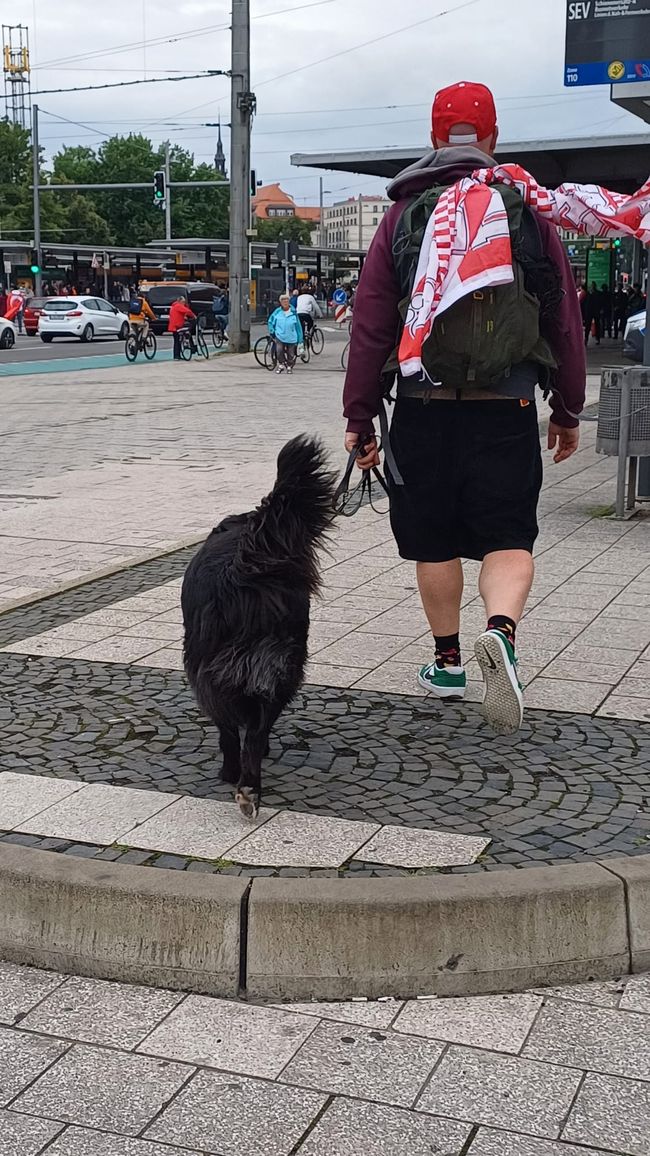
[352, 224]
[271, 202]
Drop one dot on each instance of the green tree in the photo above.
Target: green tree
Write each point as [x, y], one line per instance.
[199, 212]
[284, 229]
[78, 165]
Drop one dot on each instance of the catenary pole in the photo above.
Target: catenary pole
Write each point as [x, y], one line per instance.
[38, 277]
[242, 108]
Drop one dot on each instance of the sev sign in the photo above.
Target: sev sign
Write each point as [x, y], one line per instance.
[607, 42]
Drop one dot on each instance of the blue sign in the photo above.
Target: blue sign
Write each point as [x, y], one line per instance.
[607, 42]
[603, 72]
[339, 297]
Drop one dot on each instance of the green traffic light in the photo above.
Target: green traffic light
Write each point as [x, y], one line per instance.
[35, 268]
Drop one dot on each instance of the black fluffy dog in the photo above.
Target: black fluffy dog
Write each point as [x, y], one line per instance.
[245, 606]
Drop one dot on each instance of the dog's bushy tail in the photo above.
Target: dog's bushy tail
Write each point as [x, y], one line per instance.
[283, 533]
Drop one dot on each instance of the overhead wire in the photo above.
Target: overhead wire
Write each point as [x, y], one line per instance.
[131, 83]
[134, 45]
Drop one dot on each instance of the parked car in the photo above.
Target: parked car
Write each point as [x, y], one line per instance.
[7, 333]
[33, 310]
[198, 294]
[634, 337]
[83, 317]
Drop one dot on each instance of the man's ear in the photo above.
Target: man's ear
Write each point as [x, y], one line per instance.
[495, 138]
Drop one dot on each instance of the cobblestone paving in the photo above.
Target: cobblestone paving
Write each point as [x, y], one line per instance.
[91, 1068]
[565, 787]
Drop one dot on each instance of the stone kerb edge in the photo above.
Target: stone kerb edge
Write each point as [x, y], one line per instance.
[299, 939]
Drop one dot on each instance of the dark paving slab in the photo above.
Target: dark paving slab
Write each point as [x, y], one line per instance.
[565, 788]
[57, 609]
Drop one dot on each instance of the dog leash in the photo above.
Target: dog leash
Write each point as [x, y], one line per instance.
[346, 501]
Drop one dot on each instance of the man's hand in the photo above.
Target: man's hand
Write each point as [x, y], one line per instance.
[566, 440]
[371, 455]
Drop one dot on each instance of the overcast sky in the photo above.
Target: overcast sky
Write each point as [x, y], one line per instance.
[369, 95]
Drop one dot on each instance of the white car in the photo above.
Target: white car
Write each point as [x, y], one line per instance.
[84, 317]
[7, 333]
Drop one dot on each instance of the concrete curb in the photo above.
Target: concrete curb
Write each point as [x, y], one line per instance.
[164, 928]
[300, 939]
[103, 572]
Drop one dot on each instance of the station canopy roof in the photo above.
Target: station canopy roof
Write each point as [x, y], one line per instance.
[621, 163]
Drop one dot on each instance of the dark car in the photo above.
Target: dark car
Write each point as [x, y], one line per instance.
[198, 295]
[33, 310]
[635, 337]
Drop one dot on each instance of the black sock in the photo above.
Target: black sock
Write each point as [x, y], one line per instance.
[448, 650]
[505, 625]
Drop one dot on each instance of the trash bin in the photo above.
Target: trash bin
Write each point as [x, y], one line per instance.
[609, 411]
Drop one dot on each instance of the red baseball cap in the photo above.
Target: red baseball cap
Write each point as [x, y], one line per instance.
[464, 103]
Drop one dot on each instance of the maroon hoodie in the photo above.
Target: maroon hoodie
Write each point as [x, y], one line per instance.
[376, 315]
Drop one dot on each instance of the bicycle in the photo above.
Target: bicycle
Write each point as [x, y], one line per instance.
[218, 333]
[201, 344]
[265, 352]
[344, 356]
[313, 342]
[137, 343]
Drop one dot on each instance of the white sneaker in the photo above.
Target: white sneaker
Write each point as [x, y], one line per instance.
[280, 369]
[503, 704]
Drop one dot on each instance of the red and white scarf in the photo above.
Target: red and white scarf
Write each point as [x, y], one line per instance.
[466, 245]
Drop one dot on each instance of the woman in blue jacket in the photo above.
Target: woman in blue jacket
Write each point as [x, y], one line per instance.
[286, 331]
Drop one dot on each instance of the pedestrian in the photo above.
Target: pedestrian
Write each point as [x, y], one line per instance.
[620, 310]
[308, 310]
[181, 317]
[293, 300]
[606, 311]
[591, 314]
[286, 331]
[463, 459]
[635, 300]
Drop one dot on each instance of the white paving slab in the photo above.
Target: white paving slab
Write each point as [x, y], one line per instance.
[218, 1033]
[500, 1023]
[23, 796]
[291, 839]
[412, 847]
[200, 827]
[98, 813]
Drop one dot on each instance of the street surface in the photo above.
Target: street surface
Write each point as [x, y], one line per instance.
[91, 1068]
[118, 464]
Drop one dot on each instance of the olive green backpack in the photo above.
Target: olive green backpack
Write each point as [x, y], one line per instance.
[475, 343]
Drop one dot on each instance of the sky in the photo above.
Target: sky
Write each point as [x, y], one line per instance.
[328, 75]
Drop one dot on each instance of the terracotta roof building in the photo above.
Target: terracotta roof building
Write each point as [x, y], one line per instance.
[271, 202]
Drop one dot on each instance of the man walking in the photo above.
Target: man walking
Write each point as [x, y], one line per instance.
[464, 464]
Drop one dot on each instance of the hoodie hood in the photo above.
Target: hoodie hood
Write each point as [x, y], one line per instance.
[438, 167]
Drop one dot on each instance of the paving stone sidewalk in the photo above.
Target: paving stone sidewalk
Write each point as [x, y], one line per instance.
[91, 1068]
[88, 459]
[565, 787]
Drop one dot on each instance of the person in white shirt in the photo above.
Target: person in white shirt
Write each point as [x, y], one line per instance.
[308, 311]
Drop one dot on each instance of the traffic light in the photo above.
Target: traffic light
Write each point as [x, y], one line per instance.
[35, 264]
[159, 189]
[617, 243]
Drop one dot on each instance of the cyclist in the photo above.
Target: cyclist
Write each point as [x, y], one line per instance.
[140, 314]
[220, 311]
[308, 311]
[181, 317]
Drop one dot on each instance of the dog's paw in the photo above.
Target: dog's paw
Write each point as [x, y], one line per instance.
[248, 801]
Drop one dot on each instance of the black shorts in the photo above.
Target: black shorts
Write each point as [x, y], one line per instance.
[472, 474]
